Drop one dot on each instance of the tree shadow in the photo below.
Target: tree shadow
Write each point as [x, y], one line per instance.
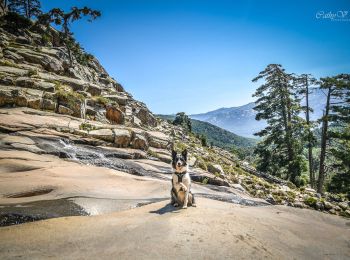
[166, 209]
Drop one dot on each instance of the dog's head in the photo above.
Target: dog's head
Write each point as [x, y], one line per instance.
[179, 161]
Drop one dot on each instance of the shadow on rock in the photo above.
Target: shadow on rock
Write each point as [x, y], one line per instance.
[166, 209]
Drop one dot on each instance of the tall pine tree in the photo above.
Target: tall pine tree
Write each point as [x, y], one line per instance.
[280, 152]
[304, 84]
[336, 112]
[340, 133]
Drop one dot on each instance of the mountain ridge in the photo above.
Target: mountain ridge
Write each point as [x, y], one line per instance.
[227, 118]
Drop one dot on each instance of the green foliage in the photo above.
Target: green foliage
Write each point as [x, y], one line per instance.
[205, 181]
[102, 100]
[64, 19]
[340, 182]
[66, 95]
[87, 127]
[183, 120]
[310, 201]
[280, 152]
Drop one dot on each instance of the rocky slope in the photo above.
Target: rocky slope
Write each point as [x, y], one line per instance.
[74, 142]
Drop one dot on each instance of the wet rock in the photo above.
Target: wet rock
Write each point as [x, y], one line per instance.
[122, 137]
[114, 115]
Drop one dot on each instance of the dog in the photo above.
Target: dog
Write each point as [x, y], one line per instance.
[181, 194]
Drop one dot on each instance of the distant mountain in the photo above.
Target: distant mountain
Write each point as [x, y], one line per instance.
[216, 135]
[241, 120]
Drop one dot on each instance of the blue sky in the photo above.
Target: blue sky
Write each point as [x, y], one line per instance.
[197, 56]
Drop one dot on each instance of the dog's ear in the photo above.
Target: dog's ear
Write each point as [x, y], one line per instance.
[184, 154]
[173, 154]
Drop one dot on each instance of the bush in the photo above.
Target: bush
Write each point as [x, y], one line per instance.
[87, 127]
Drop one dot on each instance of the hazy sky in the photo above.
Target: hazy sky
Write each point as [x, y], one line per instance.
[197, 56]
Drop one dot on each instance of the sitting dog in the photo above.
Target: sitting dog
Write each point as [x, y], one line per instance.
[181, 181]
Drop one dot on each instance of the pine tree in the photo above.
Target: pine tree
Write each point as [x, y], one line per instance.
[340, 133]
[304, 83]
[278, 104]
[183, 120]
[60, 18]
[340, 182]
[28, 8]
[336, 111]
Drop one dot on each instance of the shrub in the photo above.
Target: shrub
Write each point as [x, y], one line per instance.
[205, 180]
[87, 127]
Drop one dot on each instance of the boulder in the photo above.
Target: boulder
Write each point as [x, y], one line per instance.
[103, 134]
[45, 86]
[146, 117]
[94, 90]
[158, 139]
[327, 205]
[25, 82]
[139, 142]
[343, 205]
[48, 104]
[114, 115]
[121, 100]
[122, 137]
[65, 110]
[215, 168]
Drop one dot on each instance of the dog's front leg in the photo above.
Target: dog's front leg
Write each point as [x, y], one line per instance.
[183, 186]
[186, 199]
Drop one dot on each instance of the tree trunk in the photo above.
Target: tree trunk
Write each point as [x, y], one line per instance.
[27, 9]
[321, 174]
[309, 137]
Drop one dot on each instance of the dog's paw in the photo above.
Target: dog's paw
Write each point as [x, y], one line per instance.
[194, 205]
[184, 207]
